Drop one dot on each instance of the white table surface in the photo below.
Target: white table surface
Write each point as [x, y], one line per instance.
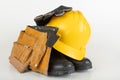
[103, 48]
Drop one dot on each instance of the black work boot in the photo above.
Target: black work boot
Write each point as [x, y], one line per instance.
[58, 65]
[84, 64]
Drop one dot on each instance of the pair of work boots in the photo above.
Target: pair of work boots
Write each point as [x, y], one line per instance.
[60, 64]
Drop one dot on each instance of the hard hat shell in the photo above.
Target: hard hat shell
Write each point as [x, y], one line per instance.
[74, 32]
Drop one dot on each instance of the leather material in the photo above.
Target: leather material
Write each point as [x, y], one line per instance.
[30, 51]
[51, 34]
[58, 65]
[20, 56]
[82, 64]
[42, 20]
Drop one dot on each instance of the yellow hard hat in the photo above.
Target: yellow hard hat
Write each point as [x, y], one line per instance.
[74, 32]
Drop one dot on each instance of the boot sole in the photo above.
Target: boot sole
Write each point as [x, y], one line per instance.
[78, 69]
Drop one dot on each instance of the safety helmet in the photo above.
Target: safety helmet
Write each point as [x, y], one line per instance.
[74, 32]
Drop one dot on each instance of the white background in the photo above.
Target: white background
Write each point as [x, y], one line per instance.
[103, 48]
